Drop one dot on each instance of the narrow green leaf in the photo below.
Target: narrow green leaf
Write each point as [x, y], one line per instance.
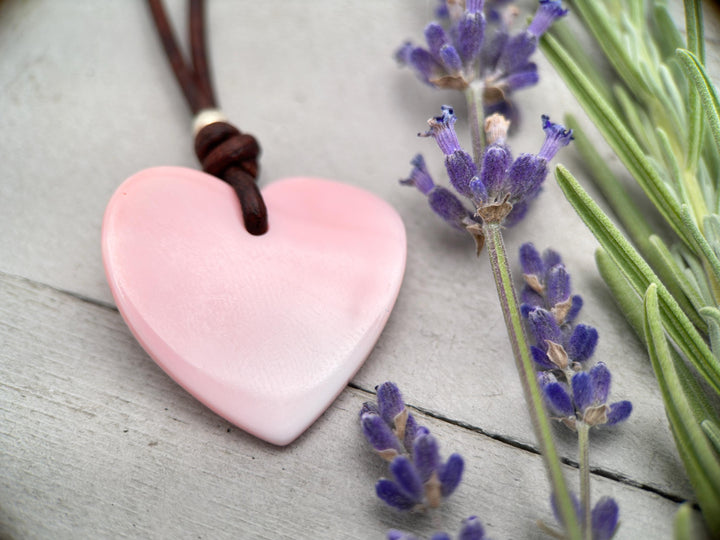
[640, 275]
[712, 316]
[605, 31]
[706, 89]
[712, 431]
[560, 30]
[687, 526]
[627, 298]
[627, 211]
[694, 28]
[620, 140]
[631, 306]
[673, 167]
[695, 273]
[696, 45]
[671, 90]
[677, 282]
[666, 34]
[696, 130]
[711, 231]
[700, 461]
[701, 244]
[636, 119]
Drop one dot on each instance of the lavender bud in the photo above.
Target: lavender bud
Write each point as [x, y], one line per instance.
[575, 307]
[436, 38]
[470, 33]
[450, 59]
[426, 456]
[600, 378]
[495, 164]
[406, 477]
[582, 342]
[544, 327]
[412, 431]
[390, 402]
[479, 193]
[582, 390]
[619, 412]
[446, 205]
[450, 474]
[516, 52]
[461, 170]
[389, 492]
[525, 175]
[557, 285]
[551, 258]
[558, 399]
[530, 260]
[379, 435]
[604, 519]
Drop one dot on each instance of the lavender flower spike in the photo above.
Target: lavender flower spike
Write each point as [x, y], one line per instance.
[420, 479]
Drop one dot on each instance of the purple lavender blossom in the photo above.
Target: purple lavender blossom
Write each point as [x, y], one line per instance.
[584, 399]
[500, 188]
[551, 309]
[466, 51]
[420, 479]
[563, 349]
[471, 529]
[603, 517]
[442, 201]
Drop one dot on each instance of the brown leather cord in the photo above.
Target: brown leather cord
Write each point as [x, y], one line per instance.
[223, 150]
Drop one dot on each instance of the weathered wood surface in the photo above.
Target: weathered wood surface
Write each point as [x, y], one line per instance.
[95, 441]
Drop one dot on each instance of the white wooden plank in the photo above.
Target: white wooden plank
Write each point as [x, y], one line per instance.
[97, 442]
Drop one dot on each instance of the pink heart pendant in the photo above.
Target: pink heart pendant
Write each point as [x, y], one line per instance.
[264, 330]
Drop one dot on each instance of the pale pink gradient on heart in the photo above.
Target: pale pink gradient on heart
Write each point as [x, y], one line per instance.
[266, 331]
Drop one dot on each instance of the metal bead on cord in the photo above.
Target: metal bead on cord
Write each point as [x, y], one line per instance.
[223, 150]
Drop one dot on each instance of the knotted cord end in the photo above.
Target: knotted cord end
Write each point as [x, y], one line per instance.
[231, 155]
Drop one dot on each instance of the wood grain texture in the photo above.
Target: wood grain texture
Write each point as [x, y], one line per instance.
[95, 441]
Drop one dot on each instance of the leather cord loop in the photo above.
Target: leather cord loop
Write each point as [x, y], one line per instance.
[223, 150]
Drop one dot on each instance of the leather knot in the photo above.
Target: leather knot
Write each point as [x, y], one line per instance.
[231, 155]
[221, 145]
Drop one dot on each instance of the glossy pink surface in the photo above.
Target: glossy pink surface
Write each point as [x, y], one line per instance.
[266, 331]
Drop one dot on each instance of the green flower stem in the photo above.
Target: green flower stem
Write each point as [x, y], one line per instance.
[583, 431]
[473, 96]
[516, 332]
